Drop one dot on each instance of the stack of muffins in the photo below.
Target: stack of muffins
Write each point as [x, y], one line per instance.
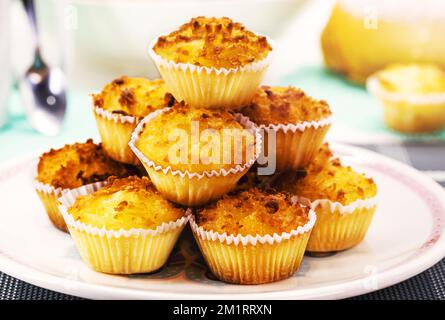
[187, 149]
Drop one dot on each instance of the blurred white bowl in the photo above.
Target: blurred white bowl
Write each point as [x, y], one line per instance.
[103, 39]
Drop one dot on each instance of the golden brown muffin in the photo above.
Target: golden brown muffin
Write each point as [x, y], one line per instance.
[213, 42]
[333, 182]
[253, 236]
[253, 212]
[333, 188]
[167, 140]
[343, 200]
[294, 125]
[78, 164]
[283, 105]
[124, 227]
[125, 203]
[133, 96]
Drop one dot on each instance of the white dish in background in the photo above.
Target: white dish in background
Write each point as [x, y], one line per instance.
[405, 238]
[98, 40]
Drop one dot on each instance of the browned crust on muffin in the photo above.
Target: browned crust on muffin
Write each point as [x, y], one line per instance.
[217, 119]
[213, 42]
[284, 105]
[253, 212]
[135, 97]
[78, 164]
[125, 203]
[328, 178]
[160, 136]
[130, 183]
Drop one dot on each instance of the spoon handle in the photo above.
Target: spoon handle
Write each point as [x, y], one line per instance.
[31, 13]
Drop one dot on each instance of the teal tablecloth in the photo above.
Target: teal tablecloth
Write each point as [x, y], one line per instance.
[18, 138]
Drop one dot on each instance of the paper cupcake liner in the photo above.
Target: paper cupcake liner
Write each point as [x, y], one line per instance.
[211, 87]
[295, 144]
[193, 188]
[410, 113]
[48, 195]
[253, 259]
[124, 251]
[115, 131]
[340, 227]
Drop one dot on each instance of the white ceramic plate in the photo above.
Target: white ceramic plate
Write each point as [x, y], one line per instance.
[405, 238]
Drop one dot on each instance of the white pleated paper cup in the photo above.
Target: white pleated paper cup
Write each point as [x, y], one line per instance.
[48, 194]
[212, 87]
[340, 227]
[115, 132]
[253, 259]
[194, 188]
[124, 251]
[294, 146]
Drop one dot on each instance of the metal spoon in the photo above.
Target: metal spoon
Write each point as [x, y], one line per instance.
[42, 88]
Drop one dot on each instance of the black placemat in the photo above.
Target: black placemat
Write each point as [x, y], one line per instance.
[15, 289]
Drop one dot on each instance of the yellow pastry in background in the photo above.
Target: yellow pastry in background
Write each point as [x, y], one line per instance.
[364, 36]
[253, 236]
[343, 199]
[412, 96]
[119, 107]
[294, 125]
[123, 226]
[194, 155]
[212, 62]
[71, 167]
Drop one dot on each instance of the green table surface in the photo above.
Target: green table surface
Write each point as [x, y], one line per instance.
[18, 138]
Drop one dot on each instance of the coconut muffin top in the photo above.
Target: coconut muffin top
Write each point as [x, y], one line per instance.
[412, 78]
[135, 97]
[284, 105]
[213, 42]
[253, 212]
[327, 178]
[196, 140]
[126, 203]
[78, 164]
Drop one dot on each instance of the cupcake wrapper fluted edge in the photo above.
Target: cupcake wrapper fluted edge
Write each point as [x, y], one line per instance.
[340, 227]
[211, 87]
[295, 144]
[124, 251]
[253, 259]
[194, 188]
[48, 195]
[115, 132]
